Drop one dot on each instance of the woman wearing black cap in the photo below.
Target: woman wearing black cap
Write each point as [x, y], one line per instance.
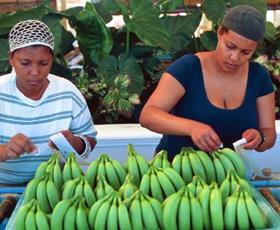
[217, 97]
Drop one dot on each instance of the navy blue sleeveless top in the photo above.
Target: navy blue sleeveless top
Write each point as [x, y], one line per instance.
[229, 124]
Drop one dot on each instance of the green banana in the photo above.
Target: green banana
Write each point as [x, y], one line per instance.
[94, 210]
[42, 220]
[69, 221]
[208, 166]
[42, 197]
[177, 163]
[148, 214]
[142, 164]
[67, 172]
[225, 187]
[128, 188]
[230, 211]
[186, 169]
[145, 183]
[75, 168]
[204, 200]
[53, 194]
[111, 175]
[216, 209]
[58, 214]
[102, 213]
[79, 190]
[196, 213]
[156, 190]
[112, 219]
[157, 208]
[101, 166]
[22, 213]
[40, 171]
[170, 211]
[135, 215]
[165, 183]
[30, 190]
[219, 169]
[199, 184]
[157, 160]
[174, 177]
[91, 172]
[30, 220]
[236, 161]
[57, 175]
[107, 187]
[256, 216]
[89, 194]
[123, 216]
[165, 162]
[81, 216]
[133, 169]
[68, 190]
[197, 166]
[242, 213]
[119, 170]
[233, 183]
[184, 214]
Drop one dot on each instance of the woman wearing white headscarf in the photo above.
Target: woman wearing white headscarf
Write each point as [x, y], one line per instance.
[36, 104]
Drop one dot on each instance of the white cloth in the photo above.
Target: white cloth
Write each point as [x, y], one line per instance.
[61, 107]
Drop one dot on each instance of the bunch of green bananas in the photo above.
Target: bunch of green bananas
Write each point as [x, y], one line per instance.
[145, 212]
[241, 211]
[30, 216]
[210, 167]
[70, 214]
[53, 167]
[210, 199]
[102, 188]
[105, 166]
[109, 212]
[182, 210]
[196, 185]
[128, 188]
[136, 165]
[71, 168]
[190, 162]
[44, 191]
[79, 186]
[226, 159]
[232, 182]
[161, 182]
[160, 160]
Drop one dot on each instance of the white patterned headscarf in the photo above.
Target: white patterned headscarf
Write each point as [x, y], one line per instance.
[30, 32]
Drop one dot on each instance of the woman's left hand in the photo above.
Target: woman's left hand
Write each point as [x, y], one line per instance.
[76, 142]
[253, 138]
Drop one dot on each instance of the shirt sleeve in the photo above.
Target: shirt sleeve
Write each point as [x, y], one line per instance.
[82, 123]
[183, 68]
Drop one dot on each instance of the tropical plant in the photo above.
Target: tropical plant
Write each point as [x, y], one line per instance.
[122, 66]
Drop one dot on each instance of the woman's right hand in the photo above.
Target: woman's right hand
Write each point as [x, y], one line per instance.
[204, 137]
[18, 145]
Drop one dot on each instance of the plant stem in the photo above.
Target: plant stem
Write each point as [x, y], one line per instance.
[127, 41]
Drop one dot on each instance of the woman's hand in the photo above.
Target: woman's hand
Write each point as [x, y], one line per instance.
[76, 142]
[204, 137]
[253, 138]
[18, 145]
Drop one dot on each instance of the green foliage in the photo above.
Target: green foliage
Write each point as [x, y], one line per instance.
[120, 65]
